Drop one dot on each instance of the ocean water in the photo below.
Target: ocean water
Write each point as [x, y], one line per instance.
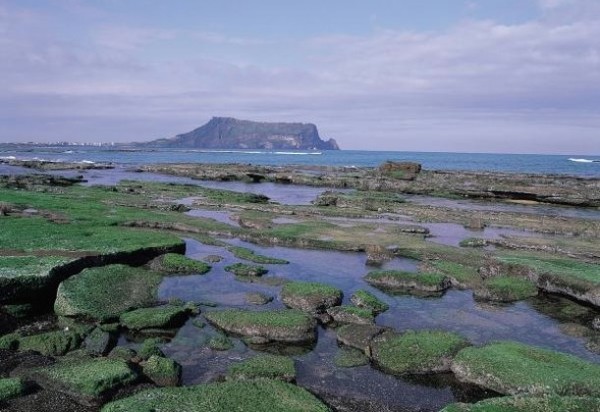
[577, 165]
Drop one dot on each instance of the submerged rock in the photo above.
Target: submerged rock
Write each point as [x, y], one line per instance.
[310, 297]
[359, 336]
[350, 358]
[416, 352]
[242, 269]
[351, 314]
[263, 395]
[263, 366]
[289, 326]
[176, 263]
[514, 368]
[99, 342]
[257, 298]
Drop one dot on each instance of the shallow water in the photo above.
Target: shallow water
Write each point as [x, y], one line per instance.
[536, 321]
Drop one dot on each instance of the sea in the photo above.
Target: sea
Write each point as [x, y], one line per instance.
[575, 165]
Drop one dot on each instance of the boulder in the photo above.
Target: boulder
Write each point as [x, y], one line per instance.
[162, 371]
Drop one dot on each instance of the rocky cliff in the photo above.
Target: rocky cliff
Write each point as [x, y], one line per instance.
[230, 133]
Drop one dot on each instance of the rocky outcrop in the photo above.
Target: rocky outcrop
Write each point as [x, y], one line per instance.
[230, 133]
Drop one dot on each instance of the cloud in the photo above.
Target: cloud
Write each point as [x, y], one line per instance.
[479, 85]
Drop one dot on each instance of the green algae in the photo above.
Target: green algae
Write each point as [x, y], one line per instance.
[350, 358]
[263, 395]
[263, 366]
[513, 368]
[417, 352]
[176, 263]
[242, 269]
[106, 292]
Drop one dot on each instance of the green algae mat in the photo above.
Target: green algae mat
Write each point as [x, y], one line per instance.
[262, 395]
[513, 368]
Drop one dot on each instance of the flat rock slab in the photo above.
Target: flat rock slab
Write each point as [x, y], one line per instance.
[514, 368]
[351, 314]
[288, 326]
[162, 317]
[407, 282]
[359, 336]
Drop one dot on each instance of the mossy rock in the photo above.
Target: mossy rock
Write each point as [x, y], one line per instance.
[162, 371]
[359, 336]
[514, 368]
[397, 281]
[220, 342]
[170, 316]
[10, 341]
[367, 300]
[11, 388]
[505, 289]
[176, 263]
[311, 297]
[417, 352]
[55, 343]
[551, 403]
[264, 395]
[243, 269]
[248, 254]
[263, 366]
[285, 325]
[257, 298]
[473, 242]
[106, 292]
[123, 353]
[88, 379]
[150, 347]
[351, 314]
[350, 358]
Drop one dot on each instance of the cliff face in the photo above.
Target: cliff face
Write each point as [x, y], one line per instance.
[230, 133]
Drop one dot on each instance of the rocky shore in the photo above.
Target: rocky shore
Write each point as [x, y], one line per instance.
[126, 298]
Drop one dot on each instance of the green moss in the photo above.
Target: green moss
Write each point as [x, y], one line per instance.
[550, 403]
[254, 395]
[10, 341]
[263, 366]
[54, 343]
[149, 348]
[11, 388]
[508, 289]
[242, 269]
[351, 314]
[511, 368]
[220, 342]
[401, 281]
[416, 352]
[312, 297]
[276, 325]
[106, 292]
[177, 263]
[463, 274]
[559, 266]
[158, 317]
[162, 371]
[367, 300]
[89, 377]
[248, 254]
[350, 358]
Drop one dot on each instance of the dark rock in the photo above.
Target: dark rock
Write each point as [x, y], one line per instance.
[99, 342]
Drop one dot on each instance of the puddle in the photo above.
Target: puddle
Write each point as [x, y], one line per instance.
[452, 234]
[285, 221]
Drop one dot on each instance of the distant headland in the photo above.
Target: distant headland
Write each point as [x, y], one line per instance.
[230, 133]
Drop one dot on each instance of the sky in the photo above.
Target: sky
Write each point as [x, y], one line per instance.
[507, 76]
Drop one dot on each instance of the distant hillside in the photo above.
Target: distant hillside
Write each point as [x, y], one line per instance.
[230, 133]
